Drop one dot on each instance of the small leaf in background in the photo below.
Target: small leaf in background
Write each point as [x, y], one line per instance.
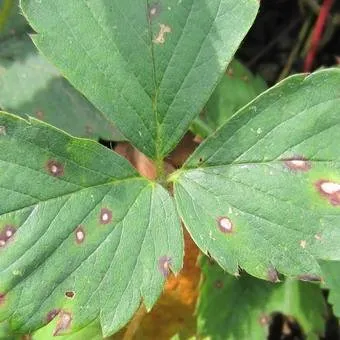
[237, 88]
[242, 308]
[82, 235]
[11, 21]
[331, 276]
[149, 66]
[262, 192]
[29, 85]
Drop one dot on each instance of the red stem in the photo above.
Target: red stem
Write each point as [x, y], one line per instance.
[317, 34]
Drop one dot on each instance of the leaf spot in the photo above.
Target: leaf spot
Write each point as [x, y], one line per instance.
[329, 190]
[224, 224]
[52, 314]
[55, 168]
[303, 244]
[264, 320]
[88, 130]
[154, 10]
[218, 284]
[6, 234]
[160, 39]
[70, 294]
[80, 234]
[105, 216]
[2, 131]
[2, 298]
[317, 237]
[64, 322]
[298, 164]
[164, 264]
[40, 115]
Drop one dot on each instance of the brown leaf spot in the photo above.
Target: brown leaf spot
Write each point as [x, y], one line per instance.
[272, 275]
[298, 163]
[160, 38]
[164, 264]
[105, 216]
[52, 314]
[88, 130]
[218, 284]
[2, 131]
[225, 225]
[63, 323]
[6, 234]
[26, 337]
[40, 115]
[310, 277]
[245, 78]
[55, 168]
[2, 299]
[330, 190]
[264, 320]
[80, 234]
[70, 294]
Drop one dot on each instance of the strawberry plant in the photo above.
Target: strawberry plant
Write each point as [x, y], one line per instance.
[86, 241]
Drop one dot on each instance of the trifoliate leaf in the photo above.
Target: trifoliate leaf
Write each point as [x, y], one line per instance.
[263, 192]
[150, 66]
[81, 234]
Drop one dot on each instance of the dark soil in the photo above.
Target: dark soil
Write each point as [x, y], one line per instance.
[275, 32]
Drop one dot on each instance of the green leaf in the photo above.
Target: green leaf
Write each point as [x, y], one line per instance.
[30, 85]
[237, 88]
[81, 234]
[5, 331]
[149, 66]
[11, 21]
[263, 192]
[246, 304]
[331, 276]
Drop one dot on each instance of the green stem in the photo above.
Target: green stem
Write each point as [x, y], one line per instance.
[160, 171]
